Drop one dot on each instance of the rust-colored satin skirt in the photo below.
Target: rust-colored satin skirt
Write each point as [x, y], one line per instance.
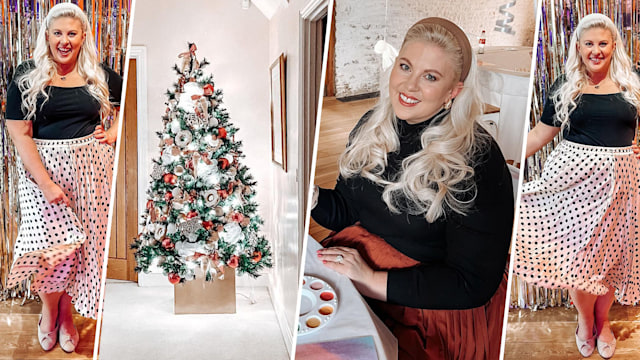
[472, 334]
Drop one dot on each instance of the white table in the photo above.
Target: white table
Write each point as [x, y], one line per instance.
[354, 318]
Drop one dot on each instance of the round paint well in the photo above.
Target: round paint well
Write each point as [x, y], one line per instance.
[326, 310]
[327, 296]
[313, 322]
[307, 302]
[316, 285]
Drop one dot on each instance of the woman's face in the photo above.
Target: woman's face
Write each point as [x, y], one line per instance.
[596, 47]
[422, 81]
[65, 37]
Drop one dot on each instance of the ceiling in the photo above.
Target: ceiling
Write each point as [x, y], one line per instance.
[267, 7]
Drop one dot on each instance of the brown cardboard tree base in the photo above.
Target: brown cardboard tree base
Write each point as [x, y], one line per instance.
[206, 297]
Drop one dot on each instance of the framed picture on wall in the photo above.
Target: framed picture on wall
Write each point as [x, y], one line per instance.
[278, 113]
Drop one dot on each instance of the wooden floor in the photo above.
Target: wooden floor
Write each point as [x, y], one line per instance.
[338, 118]
[19, 339]
[549, 334]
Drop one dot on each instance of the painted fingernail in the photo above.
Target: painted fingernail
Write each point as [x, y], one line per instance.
[324, 261]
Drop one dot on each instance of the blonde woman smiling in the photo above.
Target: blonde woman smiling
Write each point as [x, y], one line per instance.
[429, 186]
[55, 105]
[579, 223]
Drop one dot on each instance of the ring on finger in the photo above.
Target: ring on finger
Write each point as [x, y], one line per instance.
[339, 259]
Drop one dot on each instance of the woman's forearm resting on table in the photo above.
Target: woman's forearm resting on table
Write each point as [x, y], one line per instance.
[376, 287]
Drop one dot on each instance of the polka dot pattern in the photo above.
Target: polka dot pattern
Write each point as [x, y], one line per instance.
[64, 246]
[579, 225]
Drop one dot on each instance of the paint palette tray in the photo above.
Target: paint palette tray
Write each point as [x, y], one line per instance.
[318, 304]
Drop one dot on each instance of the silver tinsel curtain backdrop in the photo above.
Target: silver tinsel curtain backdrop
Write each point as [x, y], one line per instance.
[558, 20]
[21, 20]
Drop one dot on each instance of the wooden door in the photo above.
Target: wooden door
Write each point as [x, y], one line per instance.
[330, 74]
[124, 226]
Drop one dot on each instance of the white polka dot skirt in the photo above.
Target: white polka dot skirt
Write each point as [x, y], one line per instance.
[64, 246]
[579, 225]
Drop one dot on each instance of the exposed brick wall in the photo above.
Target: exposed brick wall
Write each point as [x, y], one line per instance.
[360, 24]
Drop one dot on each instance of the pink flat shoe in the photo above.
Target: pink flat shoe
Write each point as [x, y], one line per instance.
[606, 349]
[47, 339]
[68, 342]
[586, 347]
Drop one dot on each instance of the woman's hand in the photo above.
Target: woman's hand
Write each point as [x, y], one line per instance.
[54, 194]
[347, 261]
[106, 137]
[636, 150]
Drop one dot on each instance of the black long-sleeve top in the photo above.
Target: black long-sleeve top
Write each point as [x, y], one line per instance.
[462, 258]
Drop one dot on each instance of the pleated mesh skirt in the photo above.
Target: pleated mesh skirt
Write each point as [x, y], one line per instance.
[579, 226]
[64, 246]
[423, 334]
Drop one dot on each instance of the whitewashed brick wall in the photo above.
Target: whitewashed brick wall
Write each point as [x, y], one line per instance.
[360, 24]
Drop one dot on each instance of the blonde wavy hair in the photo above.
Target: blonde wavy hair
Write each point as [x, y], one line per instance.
[33, 83]
[566, 96]
[439, 176]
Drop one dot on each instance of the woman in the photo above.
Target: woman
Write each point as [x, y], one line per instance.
[55, 105]
[422, 174]
[578, 225]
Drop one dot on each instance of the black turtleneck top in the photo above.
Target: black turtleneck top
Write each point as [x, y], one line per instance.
[462, 258]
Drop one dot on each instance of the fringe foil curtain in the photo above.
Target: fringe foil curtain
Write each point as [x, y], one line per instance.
[558, 21]
[21, 20]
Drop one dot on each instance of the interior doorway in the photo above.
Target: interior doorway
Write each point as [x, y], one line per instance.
[124, 226]
[314, 20]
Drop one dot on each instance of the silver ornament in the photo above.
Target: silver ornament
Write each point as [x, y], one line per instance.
[192, 120]
[183, 138]
[210, 198]
[190, 226]
[157, 172]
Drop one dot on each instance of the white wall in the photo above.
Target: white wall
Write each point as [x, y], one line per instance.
[284, 37]
[235, 41]
[359, 25]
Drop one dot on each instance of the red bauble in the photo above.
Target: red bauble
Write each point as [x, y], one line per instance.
[170, 179]
[167, 244]
[223, 194]
[237, 217]
[233, 261]
[222, 133]
[192, 214]
[168, 196]
[174, 278]
[208, 90]
[223, 163]
[207, 225]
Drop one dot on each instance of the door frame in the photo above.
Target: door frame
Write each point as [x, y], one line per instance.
[139, 53]
[313, 12]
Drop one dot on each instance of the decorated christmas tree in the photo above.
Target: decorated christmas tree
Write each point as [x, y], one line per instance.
[200, 211]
